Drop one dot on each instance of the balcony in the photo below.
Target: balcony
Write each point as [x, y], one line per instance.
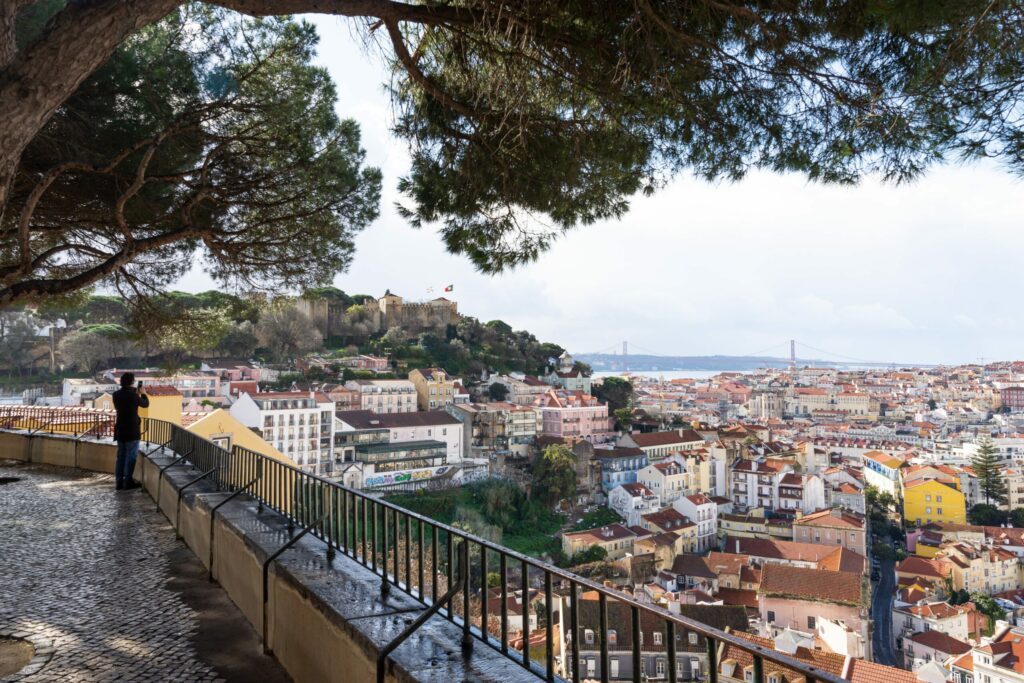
[337, 585]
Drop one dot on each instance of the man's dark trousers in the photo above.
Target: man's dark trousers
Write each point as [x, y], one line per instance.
[127, 451]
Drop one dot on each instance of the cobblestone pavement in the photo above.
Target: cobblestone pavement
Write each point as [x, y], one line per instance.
[97, 582]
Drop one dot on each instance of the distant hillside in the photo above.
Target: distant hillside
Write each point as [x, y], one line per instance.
[606, 362]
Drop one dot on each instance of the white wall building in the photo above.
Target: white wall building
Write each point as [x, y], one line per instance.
[667, 478]
[385, 395]
[703, 512]
[632, 501]
[300, 424]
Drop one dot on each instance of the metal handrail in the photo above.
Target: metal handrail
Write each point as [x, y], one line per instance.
[370, 531]
[455, 587]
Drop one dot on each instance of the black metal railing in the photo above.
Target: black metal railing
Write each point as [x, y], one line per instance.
[555, 624]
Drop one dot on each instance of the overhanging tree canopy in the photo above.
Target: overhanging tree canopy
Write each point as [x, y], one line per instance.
[526, 119]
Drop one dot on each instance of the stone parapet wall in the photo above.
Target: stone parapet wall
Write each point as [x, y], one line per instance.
[323, 620]
[59, 450]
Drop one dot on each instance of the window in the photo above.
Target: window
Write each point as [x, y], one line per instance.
[693, 637]
[657, 637]
[588, 636]
[591, 668]
[928, 498]
[659, 667]
[748, 675]
[613, 637]
[810, 622]
[938, 499]
[771, 616]
[928, 511]
[938, 511]
[614, 664]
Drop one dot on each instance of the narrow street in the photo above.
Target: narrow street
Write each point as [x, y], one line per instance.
[881, 614]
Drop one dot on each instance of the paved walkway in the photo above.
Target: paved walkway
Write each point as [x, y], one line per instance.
[97, 582]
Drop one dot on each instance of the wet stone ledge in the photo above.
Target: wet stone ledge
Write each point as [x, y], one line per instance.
[326, 620]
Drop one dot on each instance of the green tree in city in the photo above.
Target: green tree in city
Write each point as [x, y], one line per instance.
[594, 553]
[624, 418]
[84, 350]
[989, 471]
[171, 146]
[287, 333]
[932, 405]
[239, 341]
[524, 120]
[883, 551]
[984, 514]
[617, 392]
[554, 475]
[1017, 518]
[497, 391]
[987, 605]
[18, 338]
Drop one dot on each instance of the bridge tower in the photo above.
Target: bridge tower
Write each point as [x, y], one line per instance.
[792, 355]
[625, 356]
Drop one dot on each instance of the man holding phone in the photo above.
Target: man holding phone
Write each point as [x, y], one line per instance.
[128, 429]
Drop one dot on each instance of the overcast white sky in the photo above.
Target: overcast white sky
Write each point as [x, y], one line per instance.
[923, 273]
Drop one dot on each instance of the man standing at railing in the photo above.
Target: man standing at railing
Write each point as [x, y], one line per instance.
[128, 429]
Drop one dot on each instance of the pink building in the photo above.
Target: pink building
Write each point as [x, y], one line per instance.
[815, 601]
[231, 370]
[365, 362]
[574, 414]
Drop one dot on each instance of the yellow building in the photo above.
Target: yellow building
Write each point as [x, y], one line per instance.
[164, 403]
[434, 388]
[224, 429]
[929, 500]
[664, 546]
[616, 539]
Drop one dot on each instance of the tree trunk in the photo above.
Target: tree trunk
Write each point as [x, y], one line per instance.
[36, 82]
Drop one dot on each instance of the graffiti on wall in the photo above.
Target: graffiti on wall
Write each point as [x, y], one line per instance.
[404, 476]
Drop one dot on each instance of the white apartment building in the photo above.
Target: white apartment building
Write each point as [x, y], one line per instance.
[75, 391]
[995, 660]
[753, 485]
[406, 427]
[633, 501]
[667, 478]
[385, 396]
[703, 512]
[300, 424]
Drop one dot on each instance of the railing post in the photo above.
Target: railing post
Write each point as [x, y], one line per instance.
[602, 600]
[712, 645]
[670, 636]
[467, 638]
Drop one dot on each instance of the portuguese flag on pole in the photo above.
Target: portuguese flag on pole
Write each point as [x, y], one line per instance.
[449, 288]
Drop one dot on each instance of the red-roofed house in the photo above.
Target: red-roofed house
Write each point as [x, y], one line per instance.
[832, 527]
[798, 597]
[931, 646]
[1001, 660]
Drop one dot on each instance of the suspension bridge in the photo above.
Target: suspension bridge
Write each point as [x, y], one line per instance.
[790, 351]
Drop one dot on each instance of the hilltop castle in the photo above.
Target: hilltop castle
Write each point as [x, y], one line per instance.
[384, 313]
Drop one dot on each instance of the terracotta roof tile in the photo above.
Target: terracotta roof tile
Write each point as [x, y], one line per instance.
[810, 584]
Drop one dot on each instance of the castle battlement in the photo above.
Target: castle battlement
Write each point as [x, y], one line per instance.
[386, 312]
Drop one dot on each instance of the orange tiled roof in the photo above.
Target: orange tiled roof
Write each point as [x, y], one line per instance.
[810, 584]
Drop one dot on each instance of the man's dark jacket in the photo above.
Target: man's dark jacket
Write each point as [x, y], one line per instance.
[127, 402]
